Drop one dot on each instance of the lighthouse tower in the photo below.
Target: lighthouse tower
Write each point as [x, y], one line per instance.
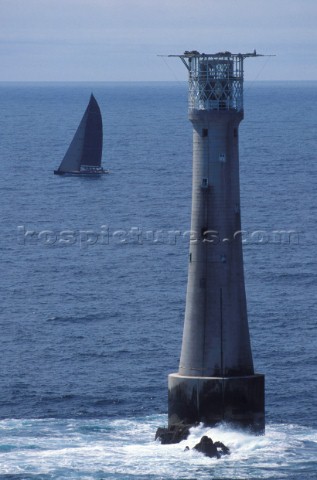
[216, 380]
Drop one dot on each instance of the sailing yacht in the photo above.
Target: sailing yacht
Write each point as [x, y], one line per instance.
[83, 156]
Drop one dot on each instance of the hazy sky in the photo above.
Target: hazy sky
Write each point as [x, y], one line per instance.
[120, 39]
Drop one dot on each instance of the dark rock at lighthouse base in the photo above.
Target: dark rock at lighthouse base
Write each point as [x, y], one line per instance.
[211, 449]
[179, 432]
[173, 434]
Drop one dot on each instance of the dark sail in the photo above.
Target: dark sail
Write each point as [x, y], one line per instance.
[92, 148]
[86, 147]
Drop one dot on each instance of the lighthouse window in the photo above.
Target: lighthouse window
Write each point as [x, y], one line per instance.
[204, 232]
[204, 183]
[205, 132]
[235, 132]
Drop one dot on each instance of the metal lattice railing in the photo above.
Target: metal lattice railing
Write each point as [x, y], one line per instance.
[215, 82]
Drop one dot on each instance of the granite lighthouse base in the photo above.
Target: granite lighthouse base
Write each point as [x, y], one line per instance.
[236, 400]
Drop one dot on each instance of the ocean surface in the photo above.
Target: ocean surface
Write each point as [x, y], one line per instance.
[93, 283]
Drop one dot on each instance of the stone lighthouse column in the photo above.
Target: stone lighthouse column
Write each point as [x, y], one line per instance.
[216, 380]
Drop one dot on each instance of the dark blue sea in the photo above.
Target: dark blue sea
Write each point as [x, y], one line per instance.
[93, 283]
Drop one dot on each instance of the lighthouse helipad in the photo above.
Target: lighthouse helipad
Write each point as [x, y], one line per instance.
[216, 380]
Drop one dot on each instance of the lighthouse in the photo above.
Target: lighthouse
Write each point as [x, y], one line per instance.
[216, 381]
